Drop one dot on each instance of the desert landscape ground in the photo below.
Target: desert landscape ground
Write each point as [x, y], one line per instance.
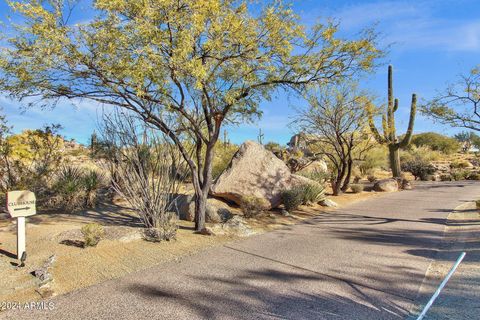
[218, 159]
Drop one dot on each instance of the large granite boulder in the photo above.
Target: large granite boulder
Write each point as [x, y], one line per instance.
[255, 171]
[386, 185]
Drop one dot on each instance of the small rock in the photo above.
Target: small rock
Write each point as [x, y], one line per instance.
[328, 203]
[285, 213]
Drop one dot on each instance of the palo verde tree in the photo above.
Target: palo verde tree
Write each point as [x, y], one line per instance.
[459, 104]
[183, 66]
[389, 136]
[335, 125]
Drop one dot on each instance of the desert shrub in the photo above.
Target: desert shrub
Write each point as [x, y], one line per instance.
[419, 169]
[436, 142]
[92, 234]
[474, 176]
[93, 181]
[460, 164]
[357, 179]
[376, 158]
[312, 193]
[357, 188]
[68, 189]
[422, 153]
[315, 175]
[458, 174]
[146, 171]
[372, 178]
[292, 198]
[253, 206]
[445, 177]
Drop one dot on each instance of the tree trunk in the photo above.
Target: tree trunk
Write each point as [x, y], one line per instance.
[346, 182]
[202, 188]
[394, 155]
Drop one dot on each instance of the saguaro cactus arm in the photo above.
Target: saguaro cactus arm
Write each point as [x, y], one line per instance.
[373, 129]
[408, 135]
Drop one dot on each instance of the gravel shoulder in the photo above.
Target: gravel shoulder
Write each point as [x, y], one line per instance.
[460, 299]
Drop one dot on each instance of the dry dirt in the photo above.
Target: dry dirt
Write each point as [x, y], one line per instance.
[76, 267]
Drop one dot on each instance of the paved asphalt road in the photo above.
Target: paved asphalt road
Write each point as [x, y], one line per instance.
[365, 261]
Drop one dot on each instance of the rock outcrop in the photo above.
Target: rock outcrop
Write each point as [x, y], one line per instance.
[255, 171]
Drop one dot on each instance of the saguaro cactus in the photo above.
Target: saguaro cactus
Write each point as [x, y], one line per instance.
[389, 136]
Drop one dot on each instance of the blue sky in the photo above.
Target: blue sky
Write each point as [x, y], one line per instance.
[432, 41]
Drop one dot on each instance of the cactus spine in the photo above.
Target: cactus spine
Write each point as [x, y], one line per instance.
[389, 136]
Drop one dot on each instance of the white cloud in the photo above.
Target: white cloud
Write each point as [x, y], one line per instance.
[413, 25]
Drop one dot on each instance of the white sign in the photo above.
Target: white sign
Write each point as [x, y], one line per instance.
[21, 203]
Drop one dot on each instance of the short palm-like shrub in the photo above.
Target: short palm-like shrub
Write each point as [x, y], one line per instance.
[419, 169]
[253, 206]
[357, 188]
[92, 234]
[312, 193]
[93, 180]
[69, 192]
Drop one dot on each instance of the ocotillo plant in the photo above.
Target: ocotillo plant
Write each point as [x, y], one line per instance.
[389, 136]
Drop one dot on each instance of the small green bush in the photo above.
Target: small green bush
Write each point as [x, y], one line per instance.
[357, 188]
[474, 176]
[92, 234]
[458, 175]
[445, 177]
[419, 169]
[292, 198]
[253, 206]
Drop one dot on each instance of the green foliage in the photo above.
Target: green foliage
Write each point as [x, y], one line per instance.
[92, 234]
[357, 188]
[474, 176]
[459, 174]
[93, 181]
[446, 177]
[75, 188]
[419, 169]
[460, 164]
[292, 198]
[252, 206]
[376, 158]
[307, 193]
[422, 153]
[436, 142]
[274, 147]
[312, 193]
